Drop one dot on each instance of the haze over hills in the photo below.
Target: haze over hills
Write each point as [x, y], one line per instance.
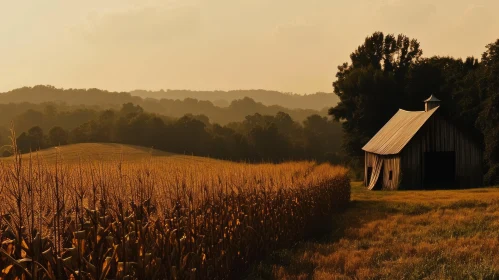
[45, 116]
[35, 98]
[93, 96]
[316, 101]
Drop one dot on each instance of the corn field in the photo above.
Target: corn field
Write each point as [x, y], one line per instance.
[157, 218]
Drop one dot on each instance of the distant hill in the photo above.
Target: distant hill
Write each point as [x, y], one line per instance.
[93, 96]
[89, 152]
[316, 101]
[90, 97]
[219, 111]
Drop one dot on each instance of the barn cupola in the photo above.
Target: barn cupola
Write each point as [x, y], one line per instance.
[431, 103]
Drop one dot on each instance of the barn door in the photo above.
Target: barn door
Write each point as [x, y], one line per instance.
[440, 170]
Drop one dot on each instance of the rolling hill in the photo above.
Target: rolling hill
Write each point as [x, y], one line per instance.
[37, 98]
[106, 152]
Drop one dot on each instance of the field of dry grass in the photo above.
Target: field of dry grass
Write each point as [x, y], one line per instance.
[444, 234]
[99, 211]
[92, 152]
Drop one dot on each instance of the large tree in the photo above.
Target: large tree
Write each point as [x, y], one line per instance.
[488, 120]
[58, 136]
[371, 86]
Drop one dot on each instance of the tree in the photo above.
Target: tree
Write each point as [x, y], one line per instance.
[24, 143]
[371, 87]
[106, 126]
[323, 138]
[58, 136]
[269, 143]
[188, 135]
[130, 110]
[32, 140]
[36, 138]
[488, 120]
[28, 119]
[50, 110]
[4, 136]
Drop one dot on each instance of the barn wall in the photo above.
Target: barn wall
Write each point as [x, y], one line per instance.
[438, 135]
[412, 164]
[390, 163]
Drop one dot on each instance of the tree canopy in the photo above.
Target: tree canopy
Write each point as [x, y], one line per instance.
[388, 72]
[268, 138]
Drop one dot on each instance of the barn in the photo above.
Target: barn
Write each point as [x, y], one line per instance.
[421, 150]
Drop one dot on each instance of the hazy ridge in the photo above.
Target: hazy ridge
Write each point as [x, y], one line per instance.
[316, 101]
[235, 110]
[94, 96]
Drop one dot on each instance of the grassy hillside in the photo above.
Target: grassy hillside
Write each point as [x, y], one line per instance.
[452, 234]
[106, 152]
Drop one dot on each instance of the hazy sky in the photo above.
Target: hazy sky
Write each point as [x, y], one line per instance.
[286, 45]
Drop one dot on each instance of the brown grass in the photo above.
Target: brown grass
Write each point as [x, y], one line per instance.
[448, 234]
[91, 152]
[164, 217]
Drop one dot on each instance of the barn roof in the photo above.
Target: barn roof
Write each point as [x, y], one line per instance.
[397, 132]
[432, 99]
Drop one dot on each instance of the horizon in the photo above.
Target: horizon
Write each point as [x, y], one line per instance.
[166, 90]
[293, 47]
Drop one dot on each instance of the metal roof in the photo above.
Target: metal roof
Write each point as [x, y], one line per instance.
[432, 99]
[397, 132]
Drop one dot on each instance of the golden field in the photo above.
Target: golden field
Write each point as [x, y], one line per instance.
[445, 234]
[108, 211]
[93, 152]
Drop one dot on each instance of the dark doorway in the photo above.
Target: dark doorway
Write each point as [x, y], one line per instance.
[369, 174]
[379, 183]
[440, 170]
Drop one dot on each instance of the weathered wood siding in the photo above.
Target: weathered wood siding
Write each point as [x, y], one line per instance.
[438, 135]
[391, 163]
[369, 159]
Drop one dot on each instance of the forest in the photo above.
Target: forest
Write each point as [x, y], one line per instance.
[258, 138]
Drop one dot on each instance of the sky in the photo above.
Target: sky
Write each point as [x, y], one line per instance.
[286, 45]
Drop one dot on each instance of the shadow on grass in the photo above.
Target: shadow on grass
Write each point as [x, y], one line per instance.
[358, 213]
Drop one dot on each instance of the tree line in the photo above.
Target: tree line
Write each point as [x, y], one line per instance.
[269, 138]
[388, 72]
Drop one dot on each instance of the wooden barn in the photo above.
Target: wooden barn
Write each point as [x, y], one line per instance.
[421, 150]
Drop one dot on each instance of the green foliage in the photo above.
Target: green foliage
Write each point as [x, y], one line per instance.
[257, 138]
[58, 136]
[492, 176]
[33, 140]
[387, 73]
[370, 86]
